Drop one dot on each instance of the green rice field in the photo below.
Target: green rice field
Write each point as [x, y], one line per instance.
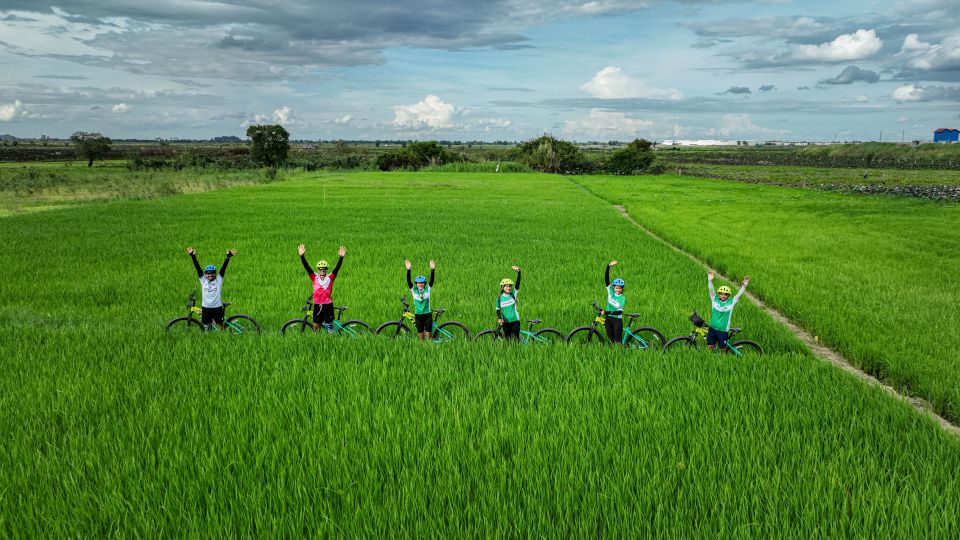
[112, 427]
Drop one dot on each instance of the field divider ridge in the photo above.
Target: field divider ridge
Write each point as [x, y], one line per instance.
[819, 349]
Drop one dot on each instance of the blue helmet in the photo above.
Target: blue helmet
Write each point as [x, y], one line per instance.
[420, 279]
[618, 282]
[209, 269]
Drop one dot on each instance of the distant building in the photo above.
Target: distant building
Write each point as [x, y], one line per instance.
[946, 135]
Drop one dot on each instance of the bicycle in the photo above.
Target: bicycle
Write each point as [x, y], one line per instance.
[740, 347]
[234, 324]
[544, 335]
[440, 333]
[351, 328]
[643, 338]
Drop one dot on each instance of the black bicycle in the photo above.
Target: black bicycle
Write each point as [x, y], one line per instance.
[352, 328]
[234, 324]
[440, 333]
[740, 347]
[641, 338]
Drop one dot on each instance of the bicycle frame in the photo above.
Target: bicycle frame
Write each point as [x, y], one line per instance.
[627, 333]
[700, 331]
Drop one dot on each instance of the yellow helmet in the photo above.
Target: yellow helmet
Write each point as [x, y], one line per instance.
[723, 289]
[505, 281]
[323, 264]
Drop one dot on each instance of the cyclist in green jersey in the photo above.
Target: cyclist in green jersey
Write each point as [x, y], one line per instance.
[616, 302]
[720, 316]
[420, 290]
[508, 317]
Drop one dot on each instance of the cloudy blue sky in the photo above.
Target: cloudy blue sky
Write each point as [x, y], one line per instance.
[482, 69]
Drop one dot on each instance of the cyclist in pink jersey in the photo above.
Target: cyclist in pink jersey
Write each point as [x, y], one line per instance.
[322, 289]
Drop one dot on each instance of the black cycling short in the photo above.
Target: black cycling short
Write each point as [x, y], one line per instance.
[323, 313]
[717, 337]
[210, 315]
[614, 326]
[424, 322]
[511, 330]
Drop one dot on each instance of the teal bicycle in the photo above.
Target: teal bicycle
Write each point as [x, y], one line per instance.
[440, 333]
[352, 328]
[641, 338]
[544, 335]
[741, 347]
[234, 324]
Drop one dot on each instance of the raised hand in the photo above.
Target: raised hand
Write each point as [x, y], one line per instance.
[515, 268]
[301, 249]
[746, 280]
[433, 265]
[613, 263]
[231, 252]
[343, 251]
[407, 264]
[710, 275]
[191, 251]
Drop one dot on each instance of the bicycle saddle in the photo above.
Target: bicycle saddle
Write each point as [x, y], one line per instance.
[534, 321]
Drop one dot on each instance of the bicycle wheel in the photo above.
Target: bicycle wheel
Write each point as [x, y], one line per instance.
[356, 328]
[242, 324]
[184, 324]
[393, 329]
[451, 331]
[585, 335]
[745, 347]
[550, 335]
[488, 335]
[681, 342]
[295, 327]
[652, 339]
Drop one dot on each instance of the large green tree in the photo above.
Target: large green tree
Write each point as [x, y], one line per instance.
[269, 144]
[91, 145]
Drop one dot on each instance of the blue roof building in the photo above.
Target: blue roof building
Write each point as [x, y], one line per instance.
[946, 135]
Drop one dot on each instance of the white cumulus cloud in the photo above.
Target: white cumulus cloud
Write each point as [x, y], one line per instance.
[431, 113]
[9, 111]
[912, 93]
[282, 116]
[343, 120]
[121, 108]
[929, 56]
[612, 83]
[856, 46]
[601, 123]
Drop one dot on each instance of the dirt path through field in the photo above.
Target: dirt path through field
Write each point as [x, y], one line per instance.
[818, 348]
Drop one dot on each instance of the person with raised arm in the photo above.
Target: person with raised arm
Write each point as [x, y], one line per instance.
[616, 302]
[420, 290]
[508, 316]
[722, 311]
[211, 285]
[322, 282]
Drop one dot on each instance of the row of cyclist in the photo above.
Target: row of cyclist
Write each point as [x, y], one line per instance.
[320, 314]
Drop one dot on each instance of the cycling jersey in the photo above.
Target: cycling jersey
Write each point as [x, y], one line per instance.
[507, 307]
[323, 288]
[421, 300]
[210, 289]
[615, 303]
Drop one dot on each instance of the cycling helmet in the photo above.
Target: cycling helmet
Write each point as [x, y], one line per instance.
[618, 283]
[505, 281]
[723, 289]
[420, 279]
[209, 269]
[323, 264]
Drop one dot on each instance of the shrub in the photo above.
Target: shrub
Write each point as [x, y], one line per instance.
[634, 158]
[549, 154]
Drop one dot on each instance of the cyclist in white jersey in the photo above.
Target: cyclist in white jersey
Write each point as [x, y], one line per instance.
[211, 285]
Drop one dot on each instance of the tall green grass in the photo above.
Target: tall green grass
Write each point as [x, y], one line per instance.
[480, 167]
[112, 427]
[871, 277]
